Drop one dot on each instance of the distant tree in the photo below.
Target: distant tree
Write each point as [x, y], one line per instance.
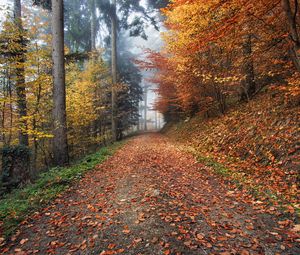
[145, 106]
[46, 4]
[157, 4]
[135, 28]
[78, 25]
[131, 94]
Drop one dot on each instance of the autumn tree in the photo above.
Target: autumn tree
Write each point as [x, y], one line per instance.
[217, 52]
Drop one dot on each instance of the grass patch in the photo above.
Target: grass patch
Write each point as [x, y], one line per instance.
[240, 180]
[16, 206]
[218, 168]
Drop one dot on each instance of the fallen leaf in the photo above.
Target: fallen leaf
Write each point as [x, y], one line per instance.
[2, 241]
[167, 252]
[296, 228]
[138, 240]
[126, 231]
[245, 252]
[200, 236]
[111, 246]
[23, 241]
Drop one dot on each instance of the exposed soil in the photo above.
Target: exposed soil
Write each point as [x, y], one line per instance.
[151, 198]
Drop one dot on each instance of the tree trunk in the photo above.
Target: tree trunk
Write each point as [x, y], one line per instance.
[20, 76]
[113, 69]
[145, 109]
[248, 84]
[60, 144]
[294, 35]
[92, 6]
[93, 25]
[159, 122]
[138, 122]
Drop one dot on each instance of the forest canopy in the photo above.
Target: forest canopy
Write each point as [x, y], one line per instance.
[219, 52]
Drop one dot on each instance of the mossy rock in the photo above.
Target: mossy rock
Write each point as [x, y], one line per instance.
[15, 166]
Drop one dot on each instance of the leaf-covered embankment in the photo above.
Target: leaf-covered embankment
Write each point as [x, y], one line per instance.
[255, 144]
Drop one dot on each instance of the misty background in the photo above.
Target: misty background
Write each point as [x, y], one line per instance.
[149, 38]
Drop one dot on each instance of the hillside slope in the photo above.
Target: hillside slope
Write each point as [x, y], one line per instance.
[256, 144]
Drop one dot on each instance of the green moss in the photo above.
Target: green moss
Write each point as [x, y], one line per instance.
[218, 168]
[16, 206]
[240, 180]
[15, 166]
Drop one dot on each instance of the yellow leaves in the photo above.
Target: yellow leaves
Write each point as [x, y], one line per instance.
[189, 23]
[85, 100]
[38, 83]
[39, 135]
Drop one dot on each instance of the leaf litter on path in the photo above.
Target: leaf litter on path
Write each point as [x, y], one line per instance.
[151, 198]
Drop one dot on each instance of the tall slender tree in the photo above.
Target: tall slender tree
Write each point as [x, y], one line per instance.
[248, 83]
[113, 17]
[60, 143]
[145, 106]
[93, 24]
[20, 74]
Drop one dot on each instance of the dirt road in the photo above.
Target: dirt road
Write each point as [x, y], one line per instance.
[151, 198]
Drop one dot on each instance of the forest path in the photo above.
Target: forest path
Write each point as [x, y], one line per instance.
[151, 198]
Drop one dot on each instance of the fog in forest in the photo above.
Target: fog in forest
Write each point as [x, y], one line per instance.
[148, 37]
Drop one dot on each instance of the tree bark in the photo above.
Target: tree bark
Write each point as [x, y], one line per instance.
[159, 122]
[294, 34]
[20, 76]
[113, 69]
[60, 143]
[93, 25]
[145, 109]
[92, 6]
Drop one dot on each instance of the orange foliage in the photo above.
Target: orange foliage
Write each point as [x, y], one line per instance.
[216, 50]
